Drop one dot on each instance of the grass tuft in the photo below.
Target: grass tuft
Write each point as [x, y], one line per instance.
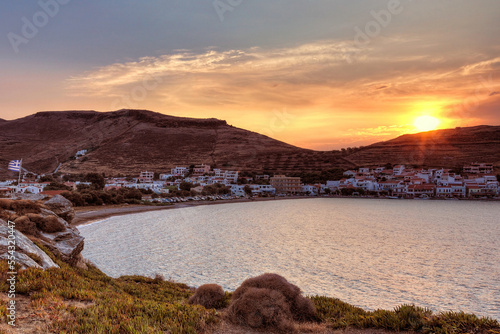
[126, 305]
[340, 315]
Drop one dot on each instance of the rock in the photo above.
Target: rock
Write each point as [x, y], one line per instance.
[30, 197]
[24, 247]
[61, 207]
[67, 244]
[52, 231]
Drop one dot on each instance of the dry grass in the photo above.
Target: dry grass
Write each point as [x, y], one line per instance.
[302, 308]
[261, 308]
[21, 207]
[209, 296]
[51, 224]
[25, 225]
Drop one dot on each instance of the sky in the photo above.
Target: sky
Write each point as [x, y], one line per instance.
[319, 74]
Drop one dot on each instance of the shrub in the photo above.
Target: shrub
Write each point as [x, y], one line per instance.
[25, 225]
[261, 308]
[208, 296]
[5, 203]
[302, 308]
[6, 215]
[52, 224]
[49, 224]
[35, 218]
[22, 207]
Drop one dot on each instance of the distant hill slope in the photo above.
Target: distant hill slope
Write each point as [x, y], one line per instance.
[440, 148]
[130, 141]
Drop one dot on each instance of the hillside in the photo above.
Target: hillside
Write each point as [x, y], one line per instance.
[440, 148]
[130, 141]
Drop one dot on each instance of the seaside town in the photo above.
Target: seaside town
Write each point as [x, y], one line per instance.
[201, 182]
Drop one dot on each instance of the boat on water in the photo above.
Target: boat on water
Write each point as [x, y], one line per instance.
[423, 196]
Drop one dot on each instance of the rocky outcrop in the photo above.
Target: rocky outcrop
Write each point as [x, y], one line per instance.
[26, 253]
[61, 207]
[45, 223]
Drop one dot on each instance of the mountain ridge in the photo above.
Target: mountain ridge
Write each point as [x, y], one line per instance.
[129, 141]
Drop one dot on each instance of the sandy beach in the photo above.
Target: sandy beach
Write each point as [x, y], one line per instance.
[89, 214]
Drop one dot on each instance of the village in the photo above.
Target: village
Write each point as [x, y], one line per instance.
[476, 181]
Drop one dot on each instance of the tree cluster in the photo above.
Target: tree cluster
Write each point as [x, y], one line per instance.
[88, 197]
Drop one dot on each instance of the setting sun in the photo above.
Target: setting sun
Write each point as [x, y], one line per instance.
[426, 123]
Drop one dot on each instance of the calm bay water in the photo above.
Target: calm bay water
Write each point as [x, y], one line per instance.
[444, 255]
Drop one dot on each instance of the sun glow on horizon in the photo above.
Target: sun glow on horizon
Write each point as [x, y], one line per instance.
[426, 123]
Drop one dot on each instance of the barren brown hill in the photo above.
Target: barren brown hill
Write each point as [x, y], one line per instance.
[440, 148]
[130, 141]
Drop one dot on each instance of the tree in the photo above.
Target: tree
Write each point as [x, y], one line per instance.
[185, 186]
[247, 190]
[56, 186]
[47, 178]
[327, 191]
[81, 187]
[97, 180]
[215, 189]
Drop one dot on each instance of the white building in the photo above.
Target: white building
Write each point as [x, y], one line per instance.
[367, 185]
[80, 153]
[398, 170]
[444, 191]
[201, 169]
[309, 189]
[179, 171]
[146, 177]
[478, 168]
[458, 189]
[239, 189]
[231, 176]
[333, 185]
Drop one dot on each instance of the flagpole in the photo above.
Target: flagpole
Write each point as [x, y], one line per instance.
[19, 180]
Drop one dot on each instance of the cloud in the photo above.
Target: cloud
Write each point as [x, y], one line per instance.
[362, 92]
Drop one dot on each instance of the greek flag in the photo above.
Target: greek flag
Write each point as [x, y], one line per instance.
[15, 165]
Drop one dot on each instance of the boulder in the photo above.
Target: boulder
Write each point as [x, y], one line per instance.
[64, 241]
[68, 244]
[25, 250]
[61, 207]
[51, 230]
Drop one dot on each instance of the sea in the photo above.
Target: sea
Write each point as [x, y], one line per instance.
[372, 253]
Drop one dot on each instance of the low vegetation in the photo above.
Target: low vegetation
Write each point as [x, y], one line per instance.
[89, 197]
[254, 294]
[20, 207]
[73, 300]
[130, 304]
[209, 296]
[403, 318]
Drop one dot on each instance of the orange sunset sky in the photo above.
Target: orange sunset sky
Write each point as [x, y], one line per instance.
[316, 74]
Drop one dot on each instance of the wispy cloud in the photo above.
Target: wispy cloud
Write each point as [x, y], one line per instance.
[329, 79]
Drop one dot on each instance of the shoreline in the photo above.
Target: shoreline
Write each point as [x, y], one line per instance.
[85, 215]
